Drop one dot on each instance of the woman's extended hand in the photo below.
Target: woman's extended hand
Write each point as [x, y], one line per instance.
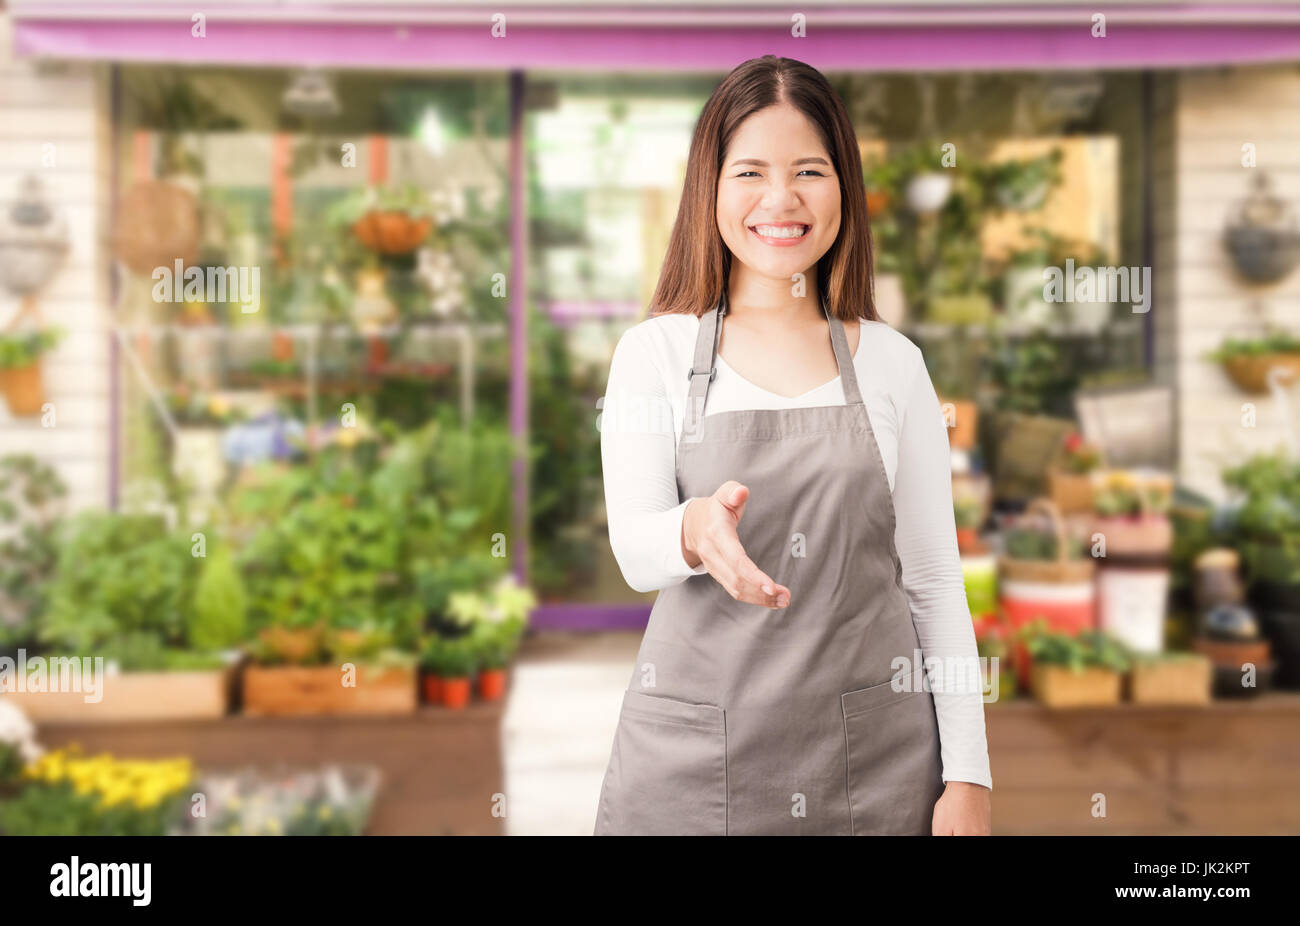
[709, 537]
[962, 810]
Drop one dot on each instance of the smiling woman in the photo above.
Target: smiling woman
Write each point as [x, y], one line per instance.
[795, 513]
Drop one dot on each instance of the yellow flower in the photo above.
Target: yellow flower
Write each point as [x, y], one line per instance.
[219, 406]
[346, 437]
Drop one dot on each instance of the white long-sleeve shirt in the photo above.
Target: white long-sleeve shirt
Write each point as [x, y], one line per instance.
[641, 421]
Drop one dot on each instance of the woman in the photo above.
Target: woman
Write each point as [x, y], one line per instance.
[789, 491]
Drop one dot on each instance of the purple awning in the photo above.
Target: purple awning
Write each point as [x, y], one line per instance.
[709, 35]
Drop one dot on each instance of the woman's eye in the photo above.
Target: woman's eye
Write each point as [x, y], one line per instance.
[806, 170]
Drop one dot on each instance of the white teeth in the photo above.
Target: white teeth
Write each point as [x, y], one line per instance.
[781, 231]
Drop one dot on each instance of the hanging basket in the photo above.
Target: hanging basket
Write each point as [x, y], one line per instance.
[157, 225]
[1262, 236]
[1251, 371]
[391, 231]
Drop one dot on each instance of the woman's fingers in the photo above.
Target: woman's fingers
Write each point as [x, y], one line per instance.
[739, 575]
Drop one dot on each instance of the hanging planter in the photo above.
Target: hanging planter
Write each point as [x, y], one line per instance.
[927, 192]
[1262, 237]
[21, 382]
[391, 232]
[1250, 362]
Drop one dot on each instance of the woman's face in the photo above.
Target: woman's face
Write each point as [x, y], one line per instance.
[778, 195]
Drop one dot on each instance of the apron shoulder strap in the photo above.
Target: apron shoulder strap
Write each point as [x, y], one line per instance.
[843, 359]
[704, 366]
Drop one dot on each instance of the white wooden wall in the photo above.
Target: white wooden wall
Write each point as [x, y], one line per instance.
[64, 105]
[1203, 120]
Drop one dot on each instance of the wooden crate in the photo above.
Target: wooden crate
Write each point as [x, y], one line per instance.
[133, 696]
[303, 690]
[1057, 686]
[1172, 681]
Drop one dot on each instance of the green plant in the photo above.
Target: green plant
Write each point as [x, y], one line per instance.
[968, 512]
[220, 604]
[1264, 523]
[450, 657]
[30, 496]
[122, 587]
[1031, 374]
[1087, 649]
[22, 350]
[1079, 456]
[1275, 342]
[1026, 542]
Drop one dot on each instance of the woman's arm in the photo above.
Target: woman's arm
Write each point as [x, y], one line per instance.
[638, 441]
[926, 540]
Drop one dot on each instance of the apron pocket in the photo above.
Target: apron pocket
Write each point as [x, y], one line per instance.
[894, 769]
[668, 769]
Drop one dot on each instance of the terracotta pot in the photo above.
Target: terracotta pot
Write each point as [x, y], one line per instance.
[455, 692]
[968, 540]
[492, 684]
[23, 389]
[391, 231]
[376, 353]
[964, 420]
[432, 686]
[281, 347]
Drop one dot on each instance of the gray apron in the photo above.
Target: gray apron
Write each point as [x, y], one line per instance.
[744, 720]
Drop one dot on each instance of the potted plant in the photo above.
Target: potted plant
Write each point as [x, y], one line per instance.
[165, 622]
[1264, 526]
[20, 369]
[452, 661]
[1045, 573]
[1069, 480]
[1076, 670]
[1249, 361]
[968, 513]
[1132, 512]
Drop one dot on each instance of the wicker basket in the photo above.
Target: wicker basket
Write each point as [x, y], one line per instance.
[1250, 371]
[1062, 569]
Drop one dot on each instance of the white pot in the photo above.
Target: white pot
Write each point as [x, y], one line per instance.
[1131, 606]
[929, 191]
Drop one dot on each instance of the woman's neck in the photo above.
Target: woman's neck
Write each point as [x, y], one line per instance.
[752, 296]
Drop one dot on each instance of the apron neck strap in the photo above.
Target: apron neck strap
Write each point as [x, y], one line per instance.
[704, 366]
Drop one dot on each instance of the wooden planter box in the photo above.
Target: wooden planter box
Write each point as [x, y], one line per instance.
[1070, 492]
[1057, 686]
[134, 696]
[305, 690]
[1172, 681]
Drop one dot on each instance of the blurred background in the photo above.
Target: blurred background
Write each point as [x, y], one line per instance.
[305, 312]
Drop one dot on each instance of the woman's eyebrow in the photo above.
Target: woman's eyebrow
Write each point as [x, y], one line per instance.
[757, 163]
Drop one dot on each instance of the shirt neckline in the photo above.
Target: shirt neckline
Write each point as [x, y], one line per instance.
[803, 395]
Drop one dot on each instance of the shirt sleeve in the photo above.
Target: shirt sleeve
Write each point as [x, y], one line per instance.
[638, 451]
[926, 540]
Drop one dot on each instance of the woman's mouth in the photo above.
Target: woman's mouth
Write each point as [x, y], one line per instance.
[783, 235]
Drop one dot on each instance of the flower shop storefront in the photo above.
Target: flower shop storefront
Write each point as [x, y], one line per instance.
[364, 273]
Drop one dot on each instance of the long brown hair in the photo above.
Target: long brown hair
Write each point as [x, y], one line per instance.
[697, 264]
